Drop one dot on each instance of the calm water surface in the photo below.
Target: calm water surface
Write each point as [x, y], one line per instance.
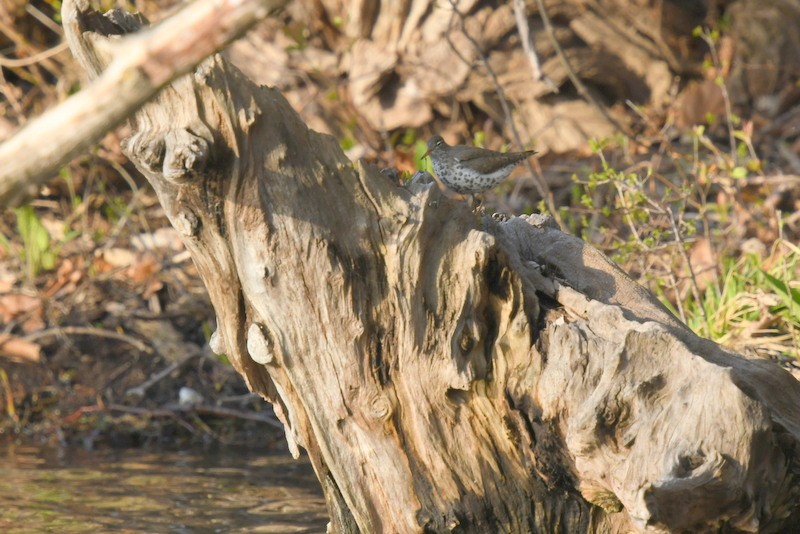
[134, 490]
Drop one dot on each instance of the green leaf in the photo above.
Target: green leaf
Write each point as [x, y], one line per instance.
[409, 137]
[479, 138]
[739, 173]
[35, 240]
[790, 294]
[420, 162]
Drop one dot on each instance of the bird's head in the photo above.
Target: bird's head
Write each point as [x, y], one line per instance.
[433, 143]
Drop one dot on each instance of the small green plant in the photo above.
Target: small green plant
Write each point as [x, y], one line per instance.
[751, 306]
[56, 5]
[298, 33]
[479, 138]
[115, 208]
[664, 223]
[348, 141]
[420, 162]
[37, 252]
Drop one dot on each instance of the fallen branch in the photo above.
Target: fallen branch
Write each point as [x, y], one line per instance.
[89, 331]
[137, 74]
[218, 411]
[140, 390]
[173, 411]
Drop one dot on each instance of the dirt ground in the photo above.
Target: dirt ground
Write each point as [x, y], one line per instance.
[110, 347]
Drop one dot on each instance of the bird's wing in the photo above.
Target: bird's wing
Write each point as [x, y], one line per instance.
[468, 153]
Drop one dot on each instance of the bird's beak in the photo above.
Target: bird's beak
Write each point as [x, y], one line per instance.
[426, 154]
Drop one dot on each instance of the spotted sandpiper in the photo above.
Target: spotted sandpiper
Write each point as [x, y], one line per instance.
[470, 170]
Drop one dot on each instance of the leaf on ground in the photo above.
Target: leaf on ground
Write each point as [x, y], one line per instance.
[28, 309]
[143, 273]
[65, 281]
[113, 258]
[19, 350]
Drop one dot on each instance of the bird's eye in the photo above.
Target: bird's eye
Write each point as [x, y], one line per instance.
[439, 142]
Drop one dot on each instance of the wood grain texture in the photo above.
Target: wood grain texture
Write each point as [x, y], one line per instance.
[449, 373]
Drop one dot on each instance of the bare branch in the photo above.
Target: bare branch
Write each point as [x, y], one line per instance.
[527, 44]
[138, 72]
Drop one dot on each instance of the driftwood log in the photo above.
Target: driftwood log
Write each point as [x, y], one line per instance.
[447, 372]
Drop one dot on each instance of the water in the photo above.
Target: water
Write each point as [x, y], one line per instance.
[135, 490]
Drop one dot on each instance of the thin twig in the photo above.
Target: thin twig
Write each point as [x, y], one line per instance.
[44, 19]
[129, 209]
[140, 390]
[228, 412]
[524, 30]
[539, 182]
[678, 297]
[32, 74]
[705, 35]
[89, 331]
[36, 58]
[694, 285]
[142, 65]
[665, 141]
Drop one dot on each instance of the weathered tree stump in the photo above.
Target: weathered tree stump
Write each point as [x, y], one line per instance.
[445, 372]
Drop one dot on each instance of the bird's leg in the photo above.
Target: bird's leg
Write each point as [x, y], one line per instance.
[476, 203]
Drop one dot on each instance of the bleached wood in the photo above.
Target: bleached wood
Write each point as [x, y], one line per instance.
[450, 373]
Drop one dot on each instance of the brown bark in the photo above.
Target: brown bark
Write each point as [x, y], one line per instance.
[446, 372]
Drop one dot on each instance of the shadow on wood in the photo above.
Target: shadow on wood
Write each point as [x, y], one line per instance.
[448, 373]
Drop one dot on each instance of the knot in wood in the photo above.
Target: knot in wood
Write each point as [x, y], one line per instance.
[187, 223]
[259, 346]
[203, 72]
[466, 343]
[380, 408]
[470, 334]
[186, 155]
[145, 150]
[217, 342]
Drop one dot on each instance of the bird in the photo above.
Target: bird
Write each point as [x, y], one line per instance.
[471, 170]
